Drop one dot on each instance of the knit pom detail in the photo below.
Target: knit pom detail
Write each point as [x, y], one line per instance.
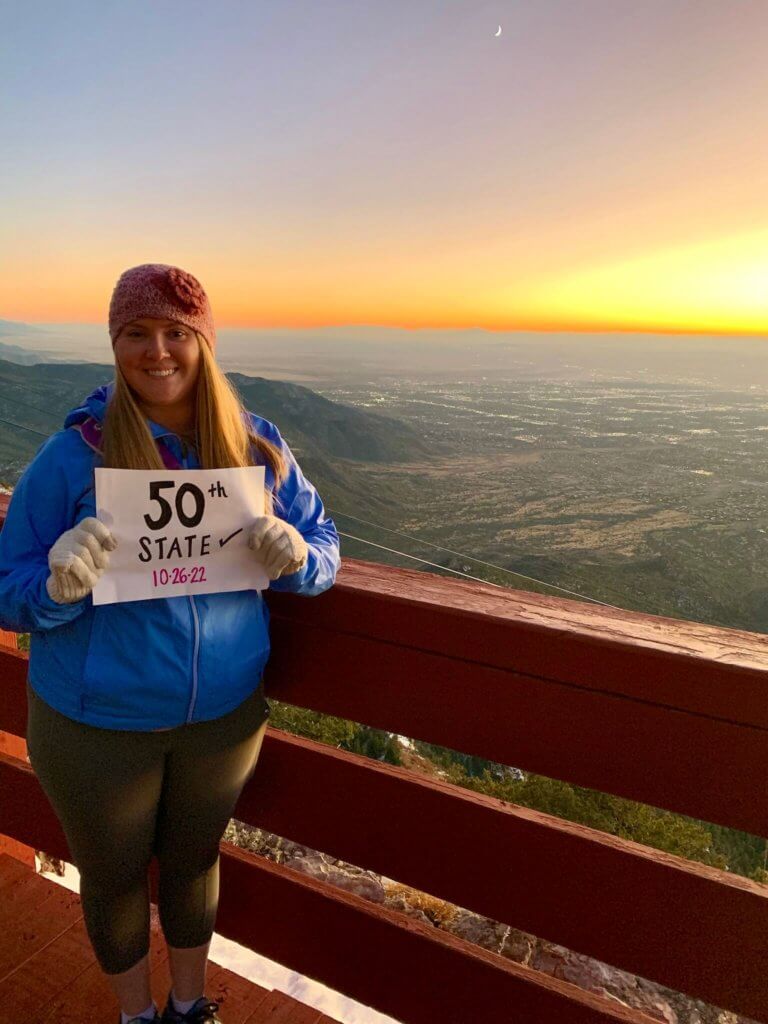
[180, 286]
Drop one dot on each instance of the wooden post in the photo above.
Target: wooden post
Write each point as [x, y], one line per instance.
[16, 746]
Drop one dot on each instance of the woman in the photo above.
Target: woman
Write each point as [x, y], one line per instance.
[146, 718]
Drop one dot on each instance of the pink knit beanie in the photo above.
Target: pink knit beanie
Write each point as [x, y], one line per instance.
[158, 290]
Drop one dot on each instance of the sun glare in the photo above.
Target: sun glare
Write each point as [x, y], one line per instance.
[719, 286]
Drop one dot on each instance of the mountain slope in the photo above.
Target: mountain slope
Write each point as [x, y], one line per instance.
[327, 437]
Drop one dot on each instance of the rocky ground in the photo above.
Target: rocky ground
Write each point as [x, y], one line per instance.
[657, 1001]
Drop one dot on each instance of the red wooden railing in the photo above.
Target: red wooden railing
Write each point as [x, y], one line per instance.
[670, 713]
[6, 639]
[14, 745]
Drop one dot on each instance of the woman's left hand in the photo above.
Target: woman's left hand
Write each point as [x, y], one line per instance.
[280, 546]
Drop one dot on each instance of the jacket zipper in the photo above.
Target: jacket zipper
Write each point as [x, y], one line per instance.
[195, 616]
[196, 626]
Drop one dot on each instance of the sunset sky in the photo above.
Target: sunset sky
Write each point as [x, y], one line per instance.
[600, 165]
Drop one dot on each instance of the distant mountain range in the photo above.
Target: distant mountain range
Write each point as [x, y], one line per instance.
[19, 354]
[327, 437]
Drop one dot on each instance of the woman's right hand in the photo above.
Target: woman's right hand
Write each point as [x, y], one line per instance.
[77, 560]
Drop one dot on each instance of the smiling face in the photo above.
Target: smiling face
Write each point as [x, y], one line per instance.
[160, 360]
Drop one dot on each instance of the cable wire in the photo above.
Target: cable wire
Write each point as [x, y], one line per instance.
[28, 387]
[471, 558]
[22, 427]
[24, 405]
[417, 559]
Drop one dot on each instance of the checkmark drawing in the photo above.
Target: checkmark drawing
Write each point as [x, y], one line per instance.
[229, 538]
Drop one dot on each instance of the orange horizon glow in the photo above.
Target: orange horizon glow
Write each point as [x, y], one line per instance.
[584, 326]
[717, 286]
[566, 327]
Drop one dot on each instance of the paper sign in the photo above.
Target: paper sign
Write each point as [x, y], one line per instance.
[179, 531]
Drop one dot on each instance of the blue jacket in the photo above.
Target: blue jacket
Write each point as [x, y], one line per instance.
[152, 664]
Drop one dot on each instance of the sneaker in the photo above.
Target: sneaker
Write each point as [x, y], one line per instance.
[157, 1019]
[203, 1012]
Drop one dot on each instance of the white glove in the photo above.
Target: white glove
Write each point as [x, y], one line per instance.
[280, 546]
[77, 560]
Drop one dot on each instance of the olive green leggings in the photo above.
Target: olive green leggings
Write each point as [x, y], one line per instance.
[122, 796]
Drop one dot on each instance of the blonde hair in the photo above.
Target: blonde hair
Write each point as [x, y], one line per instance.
[225, 436]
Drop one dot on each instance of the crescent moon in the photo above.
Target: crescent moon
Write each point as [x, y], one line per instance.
[499, 32]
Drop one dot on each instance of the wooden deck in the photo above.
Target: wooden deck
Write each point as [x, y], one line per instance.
[48, 972]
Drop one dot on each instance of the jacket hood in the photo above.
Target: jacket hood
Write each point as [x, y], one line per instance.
[96, 405]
